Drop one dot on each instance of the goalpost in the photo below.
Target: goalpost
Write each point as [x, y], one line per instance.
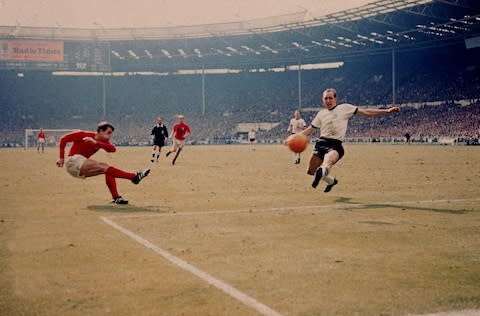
[52, 136]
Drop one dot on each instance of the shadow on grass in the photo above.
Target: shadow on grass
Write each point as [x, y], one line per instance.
[375, 223]
[415, 208]
[115, 208]
[370, 206]
[344, 199]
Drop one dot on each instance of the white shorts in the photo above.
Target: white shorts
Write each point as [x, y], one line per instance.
[179, 143]
[41, 140]
[74, 164]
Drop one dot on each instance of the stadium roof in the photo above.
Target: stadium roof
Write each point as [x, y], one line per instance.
[110, 14]
[376, 27]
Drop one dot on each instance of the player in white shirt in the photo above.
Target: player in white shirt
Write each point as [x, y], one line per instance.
[252, 138]
[332, 122]
[297, 125]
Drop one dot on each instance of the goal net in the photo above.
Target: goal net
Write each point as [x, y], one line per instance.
[52, 136]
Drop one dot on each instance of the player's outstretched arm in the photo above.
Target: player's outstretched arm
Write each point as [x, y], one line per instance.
[108, 147]
[308, 131]
[377, 112]
[394, 109]
[64, 140]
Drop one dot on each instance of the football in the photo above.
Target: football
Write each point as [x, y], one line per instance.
[297, 142]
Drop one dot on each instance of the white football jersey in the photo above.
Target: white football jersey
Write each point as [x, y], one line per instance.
[333, 123]
[297, 125]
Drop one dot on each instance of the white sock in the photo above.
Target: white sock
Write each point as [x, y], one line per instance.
[328, 180]
[325, 177]
[325, 171]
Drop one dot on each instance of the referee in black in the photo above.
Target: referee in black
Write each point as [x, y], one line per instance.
[159, 136]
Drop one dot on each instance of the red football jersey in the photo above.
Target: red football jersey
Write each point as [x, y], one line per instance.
[180, 129]
[82, 147]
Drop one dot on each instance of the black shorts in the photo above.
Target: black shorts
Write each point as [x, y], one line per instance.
[325, 145]
[159, 142]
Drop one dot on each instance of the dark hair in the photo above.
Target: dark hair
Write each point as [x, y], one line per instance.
[104, 125]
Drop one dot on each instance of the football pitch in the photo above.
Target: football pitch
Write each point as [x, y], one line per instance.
[233, 231]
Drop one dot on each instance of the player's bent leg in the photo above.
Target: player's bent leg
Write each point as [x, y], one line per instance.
[317, 177]
[330, 159]
[175, 147]
[315, 170]
[112, 185]
[91, 168]
[176, 155]
[314, 163]
[172, 150]
[117, 173]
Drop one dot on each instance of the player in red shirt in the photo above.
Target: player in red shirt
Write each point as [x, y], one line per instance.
[180, 132]
[41, 140]
[79, 164]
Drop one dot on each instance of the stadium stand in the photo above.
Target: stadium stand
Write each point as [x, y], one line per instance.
[437, 75]
[41, 100]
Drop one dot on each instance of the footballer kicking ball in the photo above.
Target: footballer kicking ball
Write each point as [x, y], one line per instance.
[297, 142]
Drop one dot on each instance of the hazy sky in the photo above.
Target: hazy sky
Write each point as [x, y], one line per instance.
[155, 13]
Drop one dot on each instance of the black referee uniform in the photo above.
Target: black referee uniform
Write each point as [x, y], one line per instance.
[160, 133]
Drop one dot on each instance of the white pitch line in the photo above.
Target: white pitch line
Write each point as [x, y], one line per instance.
[250, 210]
[465, 312]
[287, 208]
[230, 290]
[221, 285]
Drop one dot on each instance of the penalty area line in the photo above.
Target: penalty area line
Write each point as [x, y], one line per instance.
[219, 284]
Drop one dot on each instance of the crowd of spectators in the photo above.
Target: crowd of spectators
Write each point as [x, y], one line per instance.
[132, 103]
